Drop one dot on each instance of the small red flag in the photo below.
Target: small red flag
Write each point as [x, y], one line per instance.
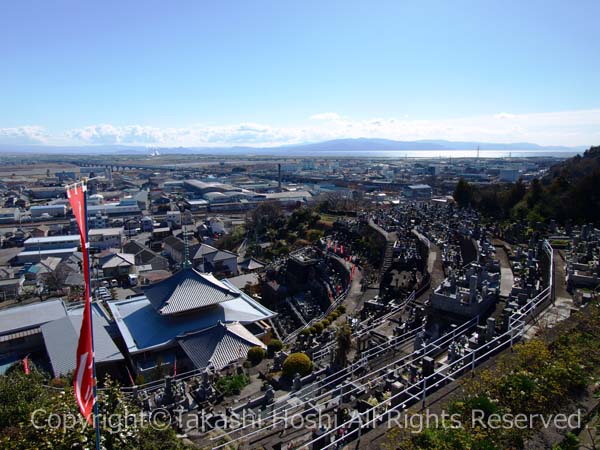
[130, 377]
[175, 367]
[26, 365]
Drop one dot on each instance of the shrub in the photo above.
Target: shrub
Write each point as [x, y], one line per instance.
[297, 363]
[256, 354]
[274, 346]
[326, 322]
[233, 385]
[313, 235]
[341, 309]
[318, 327]
[335, 314]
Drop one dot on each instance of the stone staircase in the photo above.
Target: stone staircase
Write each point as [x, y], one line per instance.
[387, 257]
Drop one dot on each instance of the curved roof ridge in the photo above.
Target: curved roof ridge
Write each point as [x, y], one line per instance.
[188, 290]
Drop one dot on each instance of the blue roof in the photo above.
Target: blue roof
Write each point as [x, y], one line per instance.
[61, 337]
[143, 328]
[219, 345]
[30, 316]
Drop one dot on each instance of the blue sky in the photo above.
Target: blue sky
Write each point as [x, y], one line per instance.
[270, 72]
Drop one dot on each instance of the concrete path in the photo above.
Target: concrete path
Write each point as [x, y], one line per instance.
[563, 304]
[506, 276]
[434, 266]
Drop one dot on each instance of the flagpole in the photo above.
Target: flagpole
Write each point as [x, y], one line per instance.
[89, 280]
[85, 382]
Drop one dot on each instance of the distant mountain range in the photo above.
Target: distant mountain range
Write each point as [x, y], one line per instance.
[337, 145]
[366, 144]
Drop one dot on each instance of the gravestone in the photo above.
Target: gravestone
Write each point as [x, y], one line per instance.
[428, 366]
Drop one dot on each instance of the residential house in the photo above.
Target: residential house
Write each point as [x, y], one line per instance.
[9, 215]
[211, 259]
[251, 265]
[42, 270]
[98, 220]
[173, 218]
[11, 287]
[102, 239]
[40, 231]
[144, 256]
[118, 266]
[175, 249]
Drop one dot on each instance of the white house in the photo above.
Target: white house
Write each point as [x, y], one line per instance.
[174, 218]
[211, 259]
[101, 239]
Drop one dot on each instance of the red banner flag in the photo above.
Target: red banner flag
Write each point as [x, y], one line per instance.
[26, 365]
[175, 367]
[83, 381]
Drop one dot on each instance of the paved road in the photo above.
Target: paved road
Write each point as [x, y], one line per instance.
[506, 275]
[434, 266]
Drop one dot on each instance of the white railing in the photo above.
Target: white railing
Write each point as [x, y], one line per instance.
[280, 411]
[516, 329]
[344, 382]
[375, 323]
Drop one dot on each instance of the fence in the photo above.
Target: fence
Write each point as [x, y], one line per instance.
[418, 391]
[340, 385]
[336, 384]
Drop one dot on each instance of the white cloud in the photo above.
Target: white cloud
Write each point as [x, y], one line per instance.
[552, 128]
[197, 135]
[27, 134]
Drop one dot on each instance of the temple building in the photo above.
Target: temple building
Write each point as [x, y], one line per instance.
[191, 318]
